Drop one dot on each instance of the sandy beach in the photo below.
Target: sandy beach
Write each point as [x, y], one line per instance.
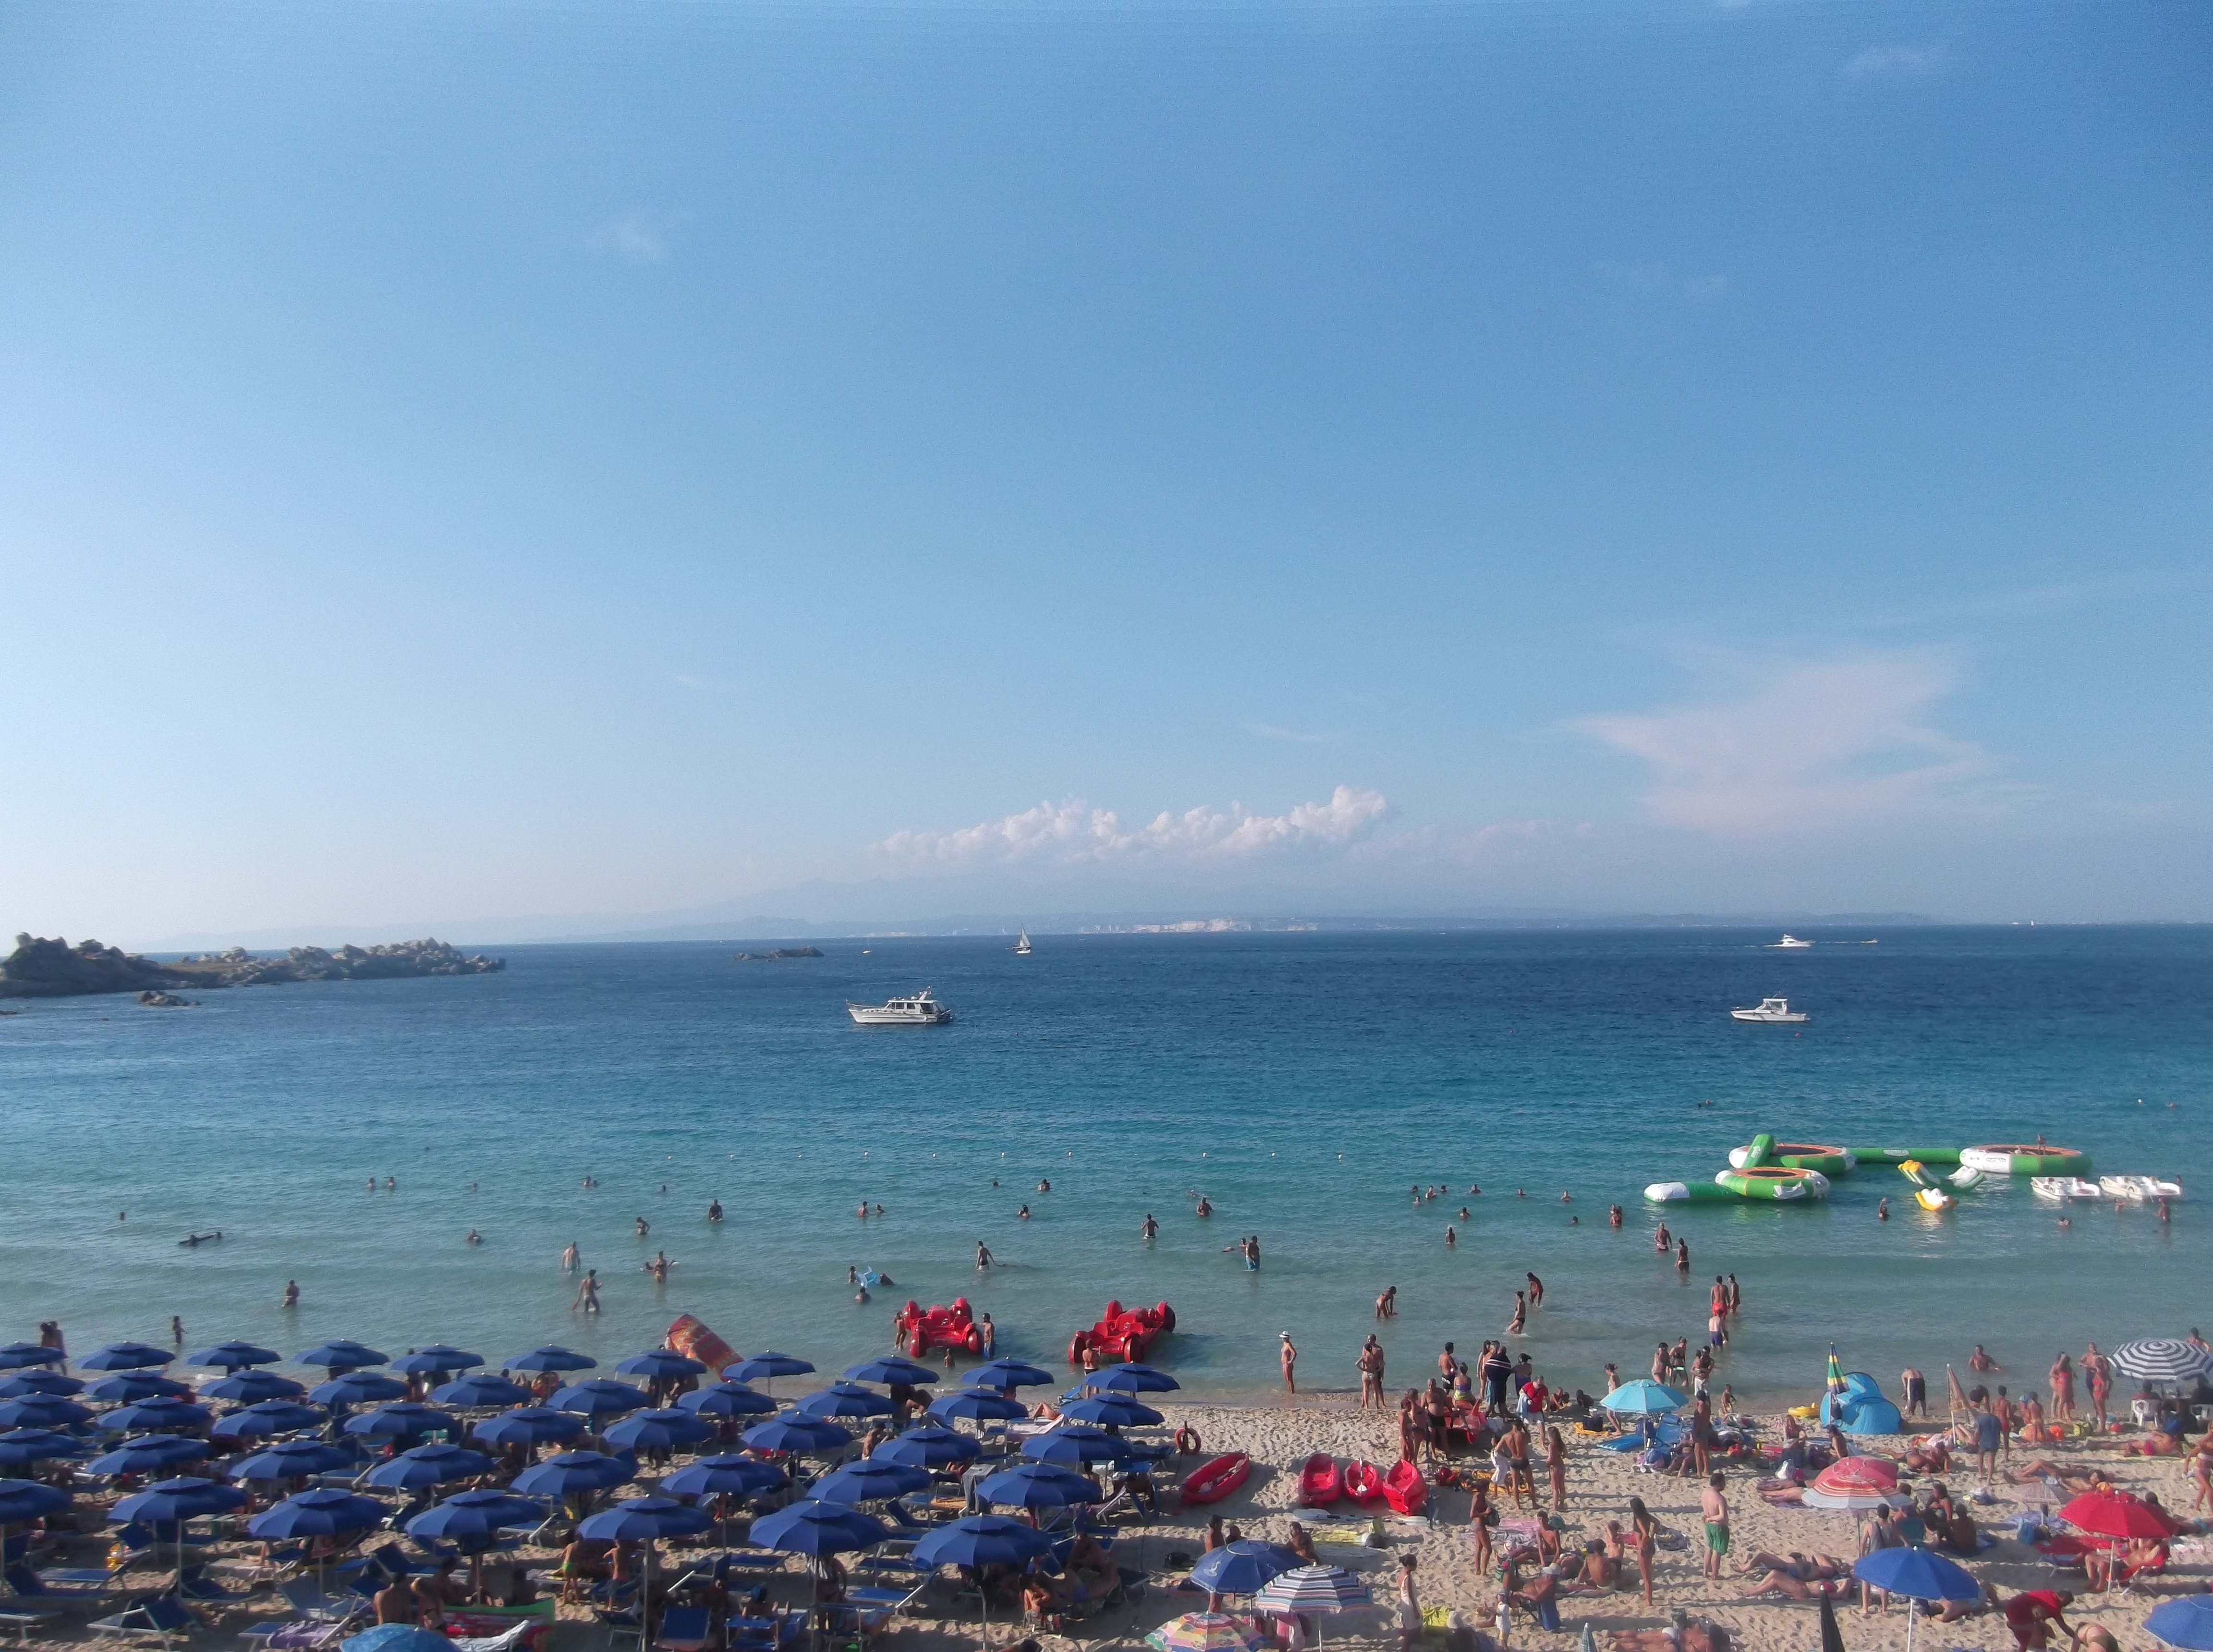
[1280, 1436]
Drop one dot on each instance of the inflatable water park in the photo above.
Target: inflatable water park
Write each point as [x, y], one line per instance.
[1801, 1171]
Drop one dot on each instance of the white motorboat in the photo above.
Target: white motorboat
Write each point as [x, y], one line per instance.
[1790, 941]
[919, 1010]
[2059, 1189]
[1022, 946]
[1773, 1010]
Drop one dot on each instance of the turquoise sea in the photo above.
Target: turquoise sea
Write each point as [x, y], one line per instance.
[1303, 1082]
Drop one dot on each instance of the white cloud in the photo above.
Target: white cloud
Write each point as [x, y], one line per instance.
[1074, 833]
[1893, 62]
[1828, 744]
[631, 238]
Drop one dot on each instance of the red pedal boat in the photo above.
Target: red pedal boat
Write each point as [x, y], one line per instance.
[1212, 1481]
[1364, 1482]
[1123, 1333]
[1321, 1483]
[1404, 1490]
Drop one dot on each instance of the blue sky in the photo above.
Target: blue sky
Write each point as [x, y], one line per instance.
[466, 462]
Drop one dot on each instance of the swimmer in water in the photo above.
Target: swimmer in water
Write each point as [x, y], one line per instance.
[1536, 1290]
[1205, 1209]
[291, 1293]
[1022, 1215]
[1566, 1198]
[984, 1256]
[644, 1226]
[1451, 1238]
[390, 1186]
[1043, 1186]
[1150, 1227]
[1613, 1216]
[587, 1293]
[474, 1238]
[570, 1257]
[714, 1209]
[862, 1294]
[1882, 1210]
[1682, 1255]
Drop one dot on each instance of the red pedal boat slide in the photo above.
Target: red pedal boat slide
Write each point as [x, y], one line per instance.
[1212, 1481]
[1364, 1482]
[1404, 1490]
[1321, 1483]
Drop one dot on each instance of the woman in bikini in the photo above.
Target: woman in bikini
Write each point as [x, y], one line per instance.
[1647, 1531]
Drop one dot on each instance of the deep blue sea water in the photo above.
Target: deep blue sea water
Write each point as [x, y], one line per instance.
[1304, 1082]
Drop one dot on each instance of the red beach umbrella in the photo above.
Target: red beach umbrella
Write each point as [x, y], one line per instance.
[1857, 1474]
[2116, 1514]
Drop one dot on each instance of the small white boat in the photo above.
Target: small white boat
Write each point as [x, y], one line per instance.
[1790, 941]
[1022, 946]
[2060, 1189]
[2138, 1188]
[919, 1010]
[1770, 1010]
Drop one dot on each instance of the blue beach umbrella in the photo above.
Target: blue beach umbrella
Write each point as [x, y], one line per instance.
[397, 1637]
[326, 1511]
[126, 1356]
[1110, 1411]
[171, 1503]
[727, 1399]
[250, 1387]
[598, 1397]
[928, 1447]
[358, 1387]
[40, 1382]
[289, 1460]
[551, 1357]
[980, 1540]
[790, 1433]
[1037, 1485]
[127, 1388]
[2186, 1623]
[24, 1500]
[1914, 1572]
[341, 1354]
[1645, 1398]
[421, 1467]
[437, 1360]
[891, 1368]
[163, 1412]
[149, 1454]
[766, 1367]
[529, 1425]
[403, 1420]
[1075, 1445]
[869, 1480]
[480, 1389]
[844, 1399]
[1009, 1373]
[1132, 1378]
[660, 1365]
[42, 1412]
[574, 1472]
[646, 1520]
[18, 1447]
[725, 1477]
[16, 1356]
[268, 1417]
[232, 1356]
[1242, 1566]
[977, 1405]
[814, 1527]
[662, 1430]
[476, 1513]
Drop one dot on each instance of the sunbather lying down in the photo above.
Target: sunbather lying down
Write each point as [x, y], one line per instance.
[1698, 1635]
[1950, 1611]
[1806, 1568]
[2075, 1477]
[1792, 1587]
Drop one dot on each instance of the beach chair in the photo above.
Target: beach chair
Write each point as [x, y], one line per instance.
[685, 1629]
[312, 1598]
[195, 1585]
[296, 1634]
[25, 1615]
[161, 1618]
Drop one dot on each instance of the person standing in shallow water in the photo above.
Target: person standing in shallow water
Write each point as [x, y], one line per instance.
[1289, 1354]
[587, 1293]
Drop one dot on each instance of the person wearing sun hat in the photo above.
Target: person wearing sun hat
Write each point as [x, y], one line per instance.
[1289, 1354]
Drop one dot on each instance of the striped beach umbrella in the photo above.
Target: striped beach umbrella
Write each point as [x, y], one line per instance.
[1315, 1588]
[1836, 1372]
[1202, 1632]
[2163, 1359]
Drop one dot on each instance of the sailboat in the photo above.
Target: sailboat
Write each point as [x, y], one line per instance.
[1022, 945]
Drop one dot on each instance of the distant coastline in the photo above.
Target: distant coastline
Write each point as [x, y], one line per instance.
[51, 968]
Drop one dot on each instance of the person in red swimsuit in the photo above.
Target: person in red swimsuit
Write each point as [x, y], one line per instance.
[2031, 1614]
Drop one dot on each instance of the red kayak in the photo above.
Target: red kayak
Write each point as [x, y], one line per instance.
[1404, 1490]
[1212, 1481]
[1320, 1482]
[1364, 1482]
